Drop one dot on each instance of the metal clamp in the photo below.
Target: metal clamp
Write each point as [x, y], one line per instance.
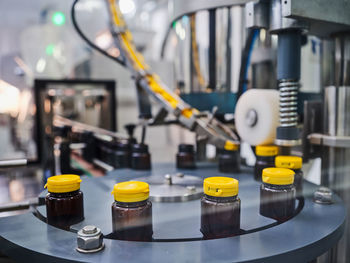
[329, 140]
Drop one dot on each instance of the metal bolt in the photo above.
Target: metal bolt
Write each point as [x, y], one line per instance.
[89, 230]
[89, 239]
[323, 195]
[168, 179]
[251, 118]
[191, 188]
[181, 175]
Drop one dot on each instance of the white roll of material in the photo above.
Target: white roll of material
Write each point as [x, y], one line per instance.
[257, 116]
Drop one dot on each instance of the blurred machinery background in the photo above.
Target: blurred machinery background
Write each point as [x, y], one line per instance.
[79, 79]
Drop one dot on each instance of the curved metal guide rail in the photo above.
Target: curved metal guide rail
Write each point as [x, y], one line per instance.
[313, 231]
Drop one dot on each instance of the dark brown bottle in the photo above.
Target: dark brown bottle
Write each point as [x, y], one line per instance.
[116, 153]
[132, 212]
[186, 157]
[265, 158]
[220, 208]
[64, 201]
[101, 146]
[122, 155]
[294, 163]
[229, 161]
[277, 194]
[140, 157]
[90, 146]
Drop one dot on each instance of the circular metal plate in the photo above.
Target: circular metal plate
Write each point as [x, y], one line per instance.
[173, 187]
[309, 234]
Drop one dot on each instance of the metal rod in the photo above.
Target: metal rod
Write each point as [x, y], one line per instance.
[21, 205]
[103, 165]
[228, 50]
[61, 120]
[212, 49]
[13, 163]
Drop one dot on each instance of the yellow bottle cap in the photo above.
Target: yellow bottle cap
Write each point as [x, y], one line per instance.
[64, 183]
[266, 150]
[231, 146]
[220, 186]
[278, 176]
[130, 192]
[290, 162]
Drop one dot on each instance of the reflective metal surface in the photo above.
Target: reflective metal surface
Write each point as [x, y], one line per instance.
[179, 8]
[278, 19]
[323, 19]
[335, 160]
[174, 187]
[342, 60]
[309, 234]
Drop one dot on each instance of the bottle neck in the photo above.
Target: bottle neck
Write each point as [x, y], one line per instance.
[266, 158]
[68, 194]
[276, 186]
[131, 204]
[221, 199]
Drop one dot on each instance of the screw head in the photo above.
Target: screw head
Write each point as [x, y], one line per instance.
[168, 179]
[323, 195]
[251, 118]
[89, 230]
[181, 175]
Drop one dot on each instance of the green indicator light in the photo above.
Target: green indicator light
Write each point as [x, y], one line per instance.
[50, 49]
[58, 18]
[174, 24]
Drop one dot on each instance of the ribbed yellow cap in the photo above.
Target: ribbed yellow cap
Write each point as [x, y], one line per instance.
[220, 186]
[64, 183]
[266, 150]
[231, 146]
[290, 162]
[132, 191]
[278, 176]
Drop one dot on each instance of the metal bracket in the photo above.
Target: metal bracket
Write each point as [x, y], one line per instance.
[328, 140]
[160, 117]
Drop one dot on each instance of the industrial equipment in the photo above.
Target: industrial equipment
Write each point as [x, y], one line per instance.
[271, 115]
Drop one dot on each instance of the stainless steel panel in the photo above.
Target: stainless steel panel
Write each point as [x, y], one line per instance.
[324, 17]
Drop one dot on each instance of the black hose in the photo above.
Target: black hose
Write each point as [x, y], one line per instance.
[245, 61]
[88, 41]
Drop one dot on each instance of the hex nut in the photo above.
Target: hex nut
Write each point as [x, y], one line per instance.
[89, 240]
[323, 195]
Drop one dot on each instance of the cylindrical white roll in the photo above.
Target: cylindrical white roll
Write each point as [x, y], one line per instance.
[264, 105]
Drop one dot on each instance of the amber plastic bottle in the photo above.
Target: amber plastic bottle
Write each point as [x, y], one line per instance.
[277, 194]
[64, 201]
[186, 157]
[117, 154]
[101, 146]
[229, 160]
[132, 212]
[265, 158]
[220, 208]
[140, 157]
[294, 163]
[122, 155]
